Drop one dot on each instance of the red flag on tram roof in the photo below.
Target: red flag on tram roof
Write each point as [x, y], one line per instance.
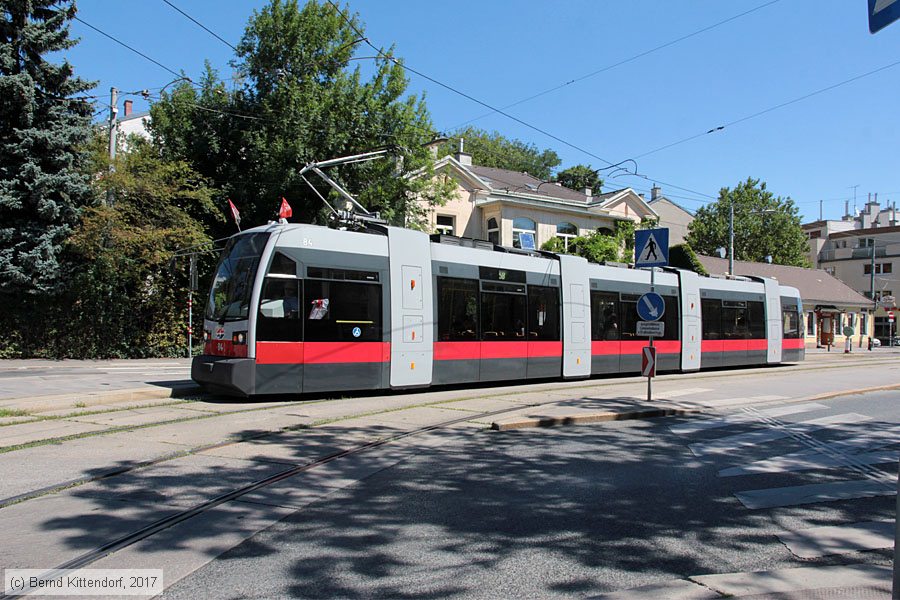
[285, 211]
[235, 214]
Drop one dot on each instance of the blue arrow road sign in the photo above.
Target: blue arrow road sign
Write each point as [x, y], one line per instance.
[651, 306]
[651, 247]
[882, 13]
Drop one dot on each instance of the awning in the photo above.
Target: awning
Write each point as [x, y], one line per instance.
[827, 308]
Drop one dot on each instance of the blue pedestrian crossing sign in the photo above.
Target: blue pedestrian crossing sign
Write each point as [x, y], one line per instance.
[651, 306]
[651, 247]
[882, 13]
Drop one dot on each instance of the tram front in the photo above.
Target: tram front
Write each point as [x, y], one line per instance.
[224, 366]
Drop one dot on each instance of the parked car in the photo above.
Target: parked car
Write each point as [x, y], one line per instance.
[886, 341]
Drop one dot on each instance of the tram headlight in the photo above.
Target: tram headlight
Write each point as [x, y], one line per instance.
[239, 338]
[206, 335]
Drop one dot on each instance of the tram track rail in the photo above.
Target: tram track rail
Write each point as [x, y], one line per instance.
[165, 523]
[124, 541]
[62, 486]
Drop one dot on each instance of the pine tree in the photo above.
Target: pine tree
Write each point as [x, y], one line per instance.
[43, 125]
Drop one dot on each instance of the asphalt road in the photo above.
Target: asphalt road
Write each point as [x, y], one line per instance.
[584, 510]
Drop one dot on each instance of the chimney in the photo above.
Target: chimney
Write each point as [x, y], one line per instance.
[463, 158]
[588, 193]
[655, 192]
[128, 104]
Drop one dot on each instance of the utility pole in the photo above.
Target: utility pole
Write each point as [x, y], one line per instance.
[113, 114]
[731, 237]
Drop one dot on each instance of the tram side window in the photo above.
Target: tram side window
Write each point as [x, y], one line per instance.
[341, 311]
[735, 325]
[791, 321]
[283, 265]
[604, 316]
[502, 317]
[543, 313]
[711, 311]
[279, 311]
[457, 309]
[757, 312]
[671, 319]
[628, 317]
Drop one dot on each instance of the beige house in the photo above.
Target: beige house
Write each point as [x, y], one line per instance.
[863, 251]
[671, 216]
[519, 210]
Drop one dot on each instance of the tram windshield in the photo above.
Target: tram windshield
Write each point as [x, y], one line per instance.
[229, 297]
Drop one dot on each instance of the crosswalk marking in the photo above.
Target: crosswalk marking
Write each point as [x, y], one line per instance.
[729, 402]
[739, 418]
[732, 442]
[824, 541]
[814, 493]
[809, 459]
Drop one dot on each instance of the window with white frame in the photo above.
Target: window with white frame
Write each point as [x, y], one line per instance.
[566, 232]
[444, 225]
[524, 233]
[493, 231]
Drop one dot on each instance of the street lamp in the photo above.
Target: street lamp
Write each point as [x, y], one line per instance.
[731, 232]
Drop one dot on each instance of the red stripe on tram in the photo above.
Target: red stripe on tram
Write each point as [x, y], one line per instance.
[734, 345]
[496, 350]
[268, 353]
[793, 344]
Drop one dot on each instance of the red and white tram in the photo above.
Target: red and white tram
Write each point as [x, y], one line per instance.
[301, 308]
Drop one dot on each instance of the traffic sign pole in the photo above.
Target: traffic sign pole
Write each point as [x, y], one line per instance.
[651, 249]
[649, 378]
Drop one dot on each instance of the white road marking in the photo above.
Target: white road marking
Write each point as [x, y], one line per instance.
[739, 418]
[734, 442]
[809, 459]
[824, 541]
[814, 493]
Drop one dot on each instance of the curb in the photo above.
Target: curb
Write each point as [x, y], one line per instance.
[629, 415]
[37, 404]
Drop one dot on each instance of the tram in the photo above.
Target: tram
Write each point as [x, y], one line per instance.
[297, 309]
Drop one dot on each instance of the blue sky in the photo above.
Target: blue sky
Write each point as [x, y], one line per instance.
[501, 51]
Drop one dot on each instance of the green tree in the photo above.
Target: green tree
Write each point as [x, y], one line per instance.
[42, 126]
[124, 298]
[683, 256]
[764, 225]
[599, 246]
[299, 101]
[580, 177]
[495, 150]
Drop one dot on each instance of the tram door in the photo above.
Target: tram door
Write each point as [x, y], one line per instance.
[690, 320]
[576, 289]
[412, 308]
[774, 323]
